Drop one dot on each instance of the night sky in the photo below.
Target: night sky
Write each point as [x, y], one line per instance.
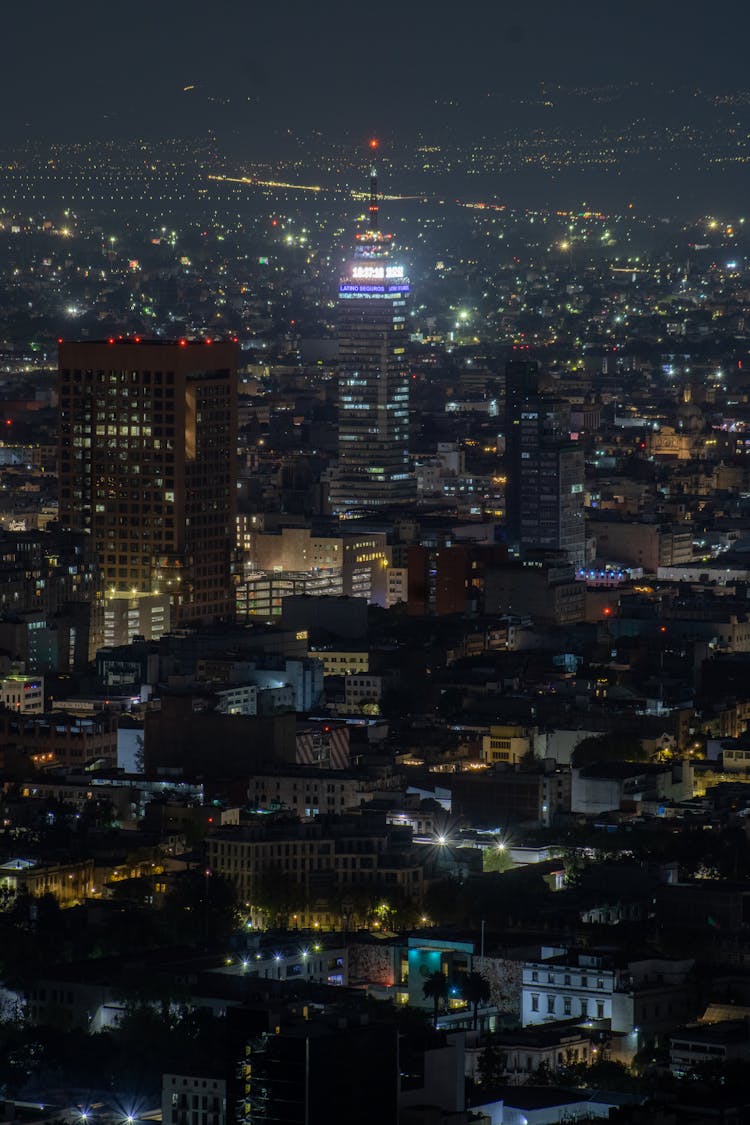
[90, 68]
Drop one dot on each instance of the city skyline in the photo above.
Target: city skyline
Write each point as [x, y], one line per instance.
[374, 564]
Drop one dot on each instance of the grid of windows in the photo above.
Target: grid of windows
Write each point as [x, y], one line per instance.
[147, 451]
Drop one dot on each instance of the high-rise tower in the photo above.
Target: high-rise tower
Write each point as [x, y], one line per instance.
[545, 469]
[373, 450]
[147, 453]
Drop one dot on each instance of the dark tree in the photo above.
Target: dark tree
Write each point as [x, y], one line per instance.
[435, 988]
[477, 991]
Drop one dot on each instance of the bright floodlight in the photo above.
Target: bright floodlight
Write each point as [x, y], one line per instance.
[441, 839]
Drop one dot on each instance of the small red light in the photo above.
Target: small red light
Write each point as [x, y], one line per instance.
[274, 222]
[8, 422]
[183, 343]
[209, 341]
[111, 340]
[374, 142]
[607, 611]
[137, 339]
[59, 339]
[662, 629]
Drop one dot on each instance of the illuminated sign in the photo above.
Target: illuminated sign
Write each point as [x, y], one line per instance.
[373, 290]
[377, 273]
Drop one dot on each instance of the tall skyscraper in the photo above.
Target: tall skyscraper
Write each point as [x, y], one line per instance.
[545, 469]
[521, 383]
[373, 449]
[147, 451]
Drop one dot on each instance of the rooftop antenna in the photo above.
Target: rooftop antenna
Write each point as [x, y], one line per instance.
[373, 205]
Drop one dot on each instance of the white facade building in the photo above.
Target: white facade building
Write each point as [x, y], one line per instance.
[553, 989]
[240, 699]
[639, 998]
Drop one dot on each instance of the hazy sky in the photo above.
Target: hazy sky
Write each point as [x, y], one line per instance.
[88, 66]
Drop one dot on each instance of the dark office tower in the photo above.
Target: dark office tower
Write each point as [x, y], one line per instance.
[373, 448]
[545, 470]
[521, 383]
[147, 450]
[297, 1076]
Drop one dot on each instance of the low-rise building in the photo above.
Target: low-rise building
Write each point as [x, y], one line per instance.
[698, 1044]
[343, 661]
[508, 743]
[640, 997]
[238, 699]
[68, 882]
[60, 739]
[323, 743]
[610, 786]
[497, 797]
[307, 792]
[23, 694]
[323, 860]
[193, 1100]
[137, 614]
[262, 594]
[364, 691]
[397, 592]
[543, 588]
[552, 1045]
[640, 544]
